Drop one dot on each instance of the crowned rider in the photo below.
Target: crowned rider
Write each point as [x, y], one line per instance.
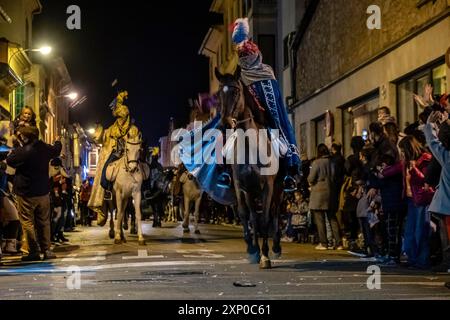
[113, 146]
[260, 80]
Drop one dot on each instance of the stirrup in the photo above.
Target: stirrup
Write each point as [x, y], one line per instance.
[224, 181]
[108, 195]
[289, 184]
[147, 195]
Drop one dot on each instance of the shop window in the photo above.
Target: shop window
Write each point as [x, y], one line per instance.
[320, 125]
[408, 110]
[357, 118]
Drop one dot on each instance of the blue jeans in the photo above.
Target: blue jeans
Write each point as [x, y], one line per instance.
[417, 235]
[369, 241]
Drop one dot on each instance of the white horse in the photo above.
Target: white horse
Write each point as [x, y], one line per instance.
[128, 173]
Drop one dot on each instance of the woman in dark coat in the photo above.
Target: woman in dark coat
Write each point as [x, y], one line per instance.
[321, 179]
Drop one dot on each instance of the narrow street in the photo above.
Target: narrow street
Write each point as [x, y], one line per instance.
[211, 266]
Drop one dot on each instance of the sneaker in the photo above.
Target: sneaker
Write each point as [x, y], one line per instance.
[287, 239]
[340, 248]
[49, 254]
[320, 247]
[11, 246]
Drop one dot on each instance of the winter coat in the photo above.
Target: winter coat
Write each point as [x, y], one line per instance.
[441, 199]
[421, 197]
[321, 179]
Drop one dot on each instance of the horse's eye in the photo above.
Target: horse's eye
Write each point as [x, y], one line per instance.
[225, 89]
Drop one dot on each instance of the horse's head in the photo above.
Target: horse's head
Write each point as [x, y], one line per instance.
[231, 97]
[133, 149]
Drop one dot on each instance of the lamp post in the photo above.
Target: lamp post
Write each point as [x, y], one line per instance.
[44, 50]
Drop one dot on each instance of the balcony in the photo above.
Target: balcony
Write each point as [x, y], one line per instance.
[9, 80]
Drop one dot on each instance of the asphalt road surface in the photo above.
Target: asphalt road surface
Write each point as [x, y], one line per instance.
[210, 266]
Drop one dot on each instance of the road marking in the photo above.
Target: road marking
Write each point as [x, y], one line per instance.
[143, 254]
[101, 255]
[200, 253]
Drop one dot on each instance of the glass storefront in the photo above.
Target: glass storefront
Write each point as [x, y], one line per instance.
[408, 110]
[357, 118]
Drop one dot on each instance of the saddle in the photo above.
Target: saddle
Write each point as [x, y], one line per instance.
[279, 145]
[112, 171]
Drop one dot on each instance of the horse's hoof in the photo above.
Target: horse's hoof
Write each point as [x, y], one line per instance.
[197, 231]
[254, 258]
[117, 241]
[142, 242]
[186, 230]
[133, 231]
[265, 264]
[276, 255]
[112, 234]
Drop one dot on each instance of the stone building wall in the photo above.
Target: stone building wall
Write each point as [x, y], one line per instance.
[338, 40]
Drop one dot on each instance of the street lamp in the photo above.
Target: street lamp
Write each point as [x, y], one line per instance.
[91, 130]
[72, 95]
[43, 50]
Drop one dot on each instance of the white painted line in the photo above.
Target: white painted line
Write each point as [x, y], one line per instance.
[142, 254]
[161, 264]
[206, 255]
[101, 256]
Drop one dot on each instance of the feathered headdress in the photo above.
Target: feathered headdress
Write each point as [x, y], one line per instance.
[241, 30]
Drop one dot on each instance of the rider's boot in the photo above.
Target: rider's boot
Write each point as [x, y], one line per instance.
[289, 182]
[108, 195]
[224, 179]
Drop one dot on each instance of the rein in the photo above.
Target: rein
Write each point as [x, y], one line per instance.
[127, 162]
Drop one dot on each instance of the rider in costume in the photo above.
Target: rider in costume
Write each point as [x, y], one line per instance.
[259, 78]
[113, 146]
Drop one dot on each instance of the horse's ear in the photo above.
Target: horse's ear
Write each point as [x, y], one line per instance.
[237, 73]
[219, 76]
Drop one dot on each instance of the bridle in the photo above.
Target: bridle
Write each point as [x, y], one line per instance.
[224, 88]
[127, 162]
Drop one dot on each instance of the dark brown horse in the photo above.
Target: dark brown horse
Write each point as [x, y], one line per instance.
[258, 195]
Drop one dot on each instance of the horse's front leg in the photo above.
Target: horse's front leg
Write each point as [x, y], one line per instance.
[197, 214]
[186, 215]
[253, 242]
[121, 202]
[138, 215]
[267, 201]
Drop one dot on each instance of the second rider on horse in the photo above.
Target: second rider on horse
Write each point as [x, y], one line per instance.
[113, 142]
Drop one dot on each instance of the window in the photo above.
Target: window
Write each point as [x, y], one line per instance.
[408, 110]
[19, 100]
[357, 116]
[320, 131]
[266, 44]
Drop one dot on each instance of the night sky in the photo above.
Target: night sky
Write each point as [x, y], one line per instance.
[151, 47]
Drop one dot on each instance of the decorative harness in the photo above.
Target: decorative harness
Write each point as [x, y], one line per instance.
[127, 162]
[225, 88]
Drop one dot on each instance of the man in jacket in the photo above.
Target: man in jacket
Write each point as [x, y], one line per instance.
[31, 161]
